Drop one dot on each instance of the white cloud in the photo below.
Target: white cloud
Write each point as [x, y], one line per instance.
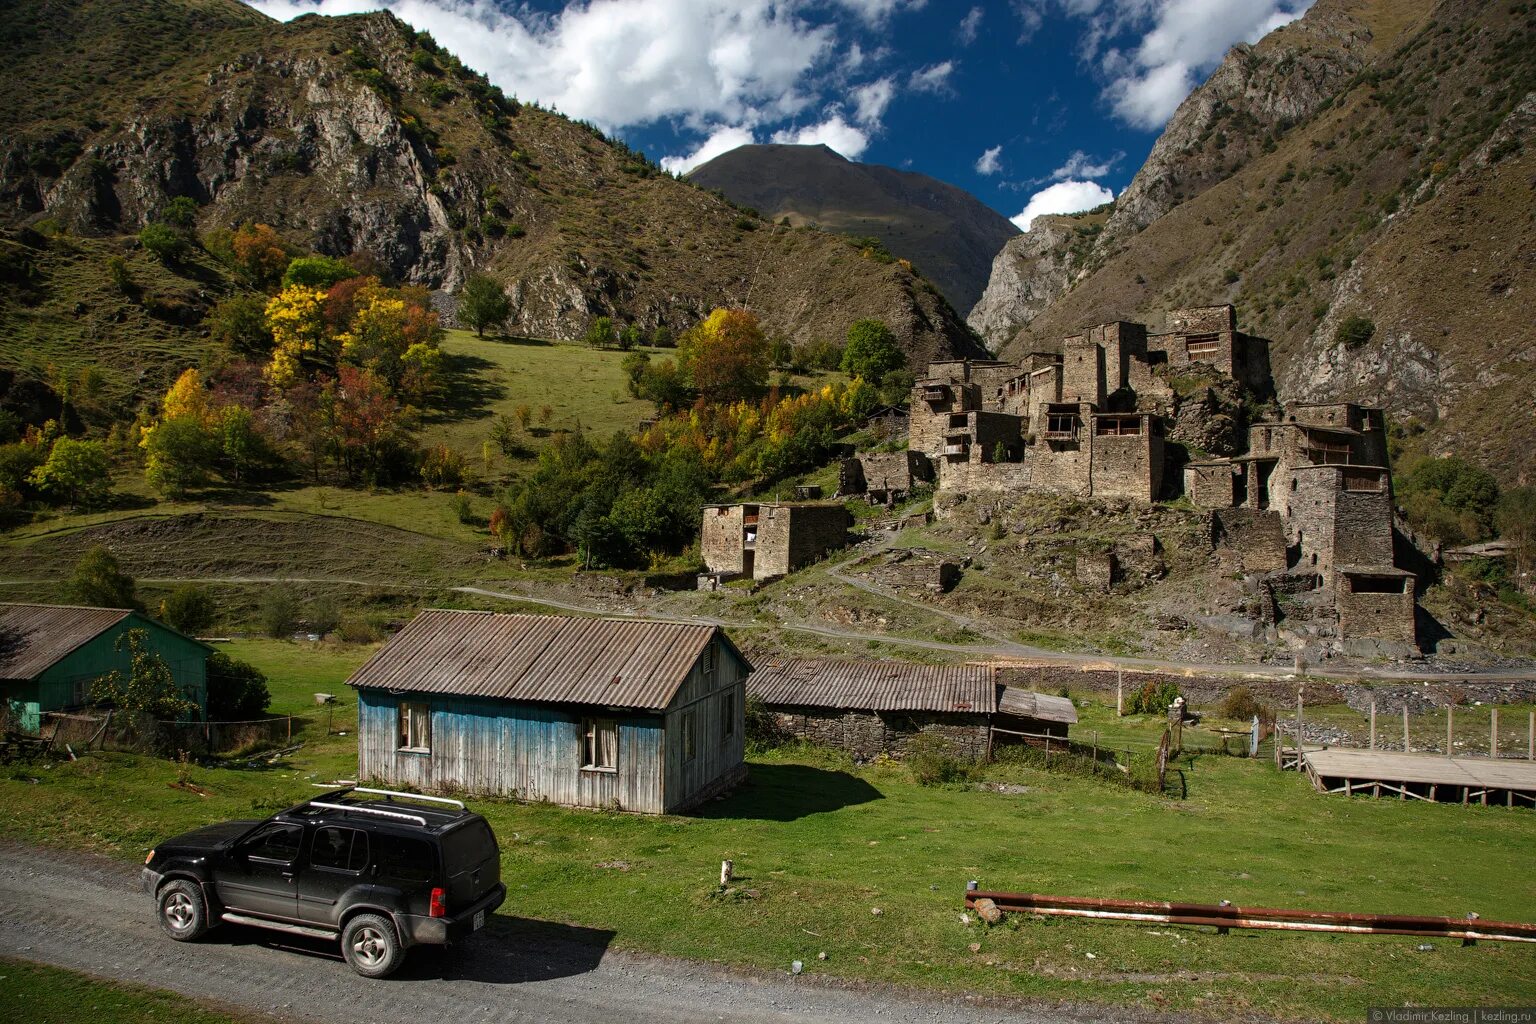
[969, 25]
[870, 100]
[933, 78]
[834, 133]
[1081, 165]
[1062, 197]
[627, 62]
[1180, 42]
[988, 162]
[721, 140]
[875, 12]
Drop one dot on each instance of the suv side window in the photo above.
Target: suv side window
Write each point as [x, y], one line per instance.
[341, 849]
[404, 860]
[277, 842]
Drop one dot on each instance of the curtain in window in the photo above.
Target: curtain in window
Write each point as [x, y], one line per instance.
[608, 744]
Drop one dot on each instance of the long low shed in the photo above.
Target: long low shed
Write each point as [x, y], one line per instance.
[616, 713]
[875, 707]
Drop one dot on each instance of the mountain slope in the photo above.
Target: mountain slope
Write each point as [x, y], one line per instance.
[358, 134]
[948, 233]
[1392, 180]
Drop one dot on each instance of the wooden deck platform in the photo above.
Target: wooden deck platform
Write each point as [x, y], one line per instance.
[1481, 780]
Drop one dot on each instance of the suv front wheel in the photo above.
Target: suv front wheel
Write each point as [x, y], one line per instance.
[371, 946]
[182, 914]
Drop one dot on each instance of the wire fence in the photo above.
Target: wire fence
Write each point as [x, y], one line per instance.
[115, 729]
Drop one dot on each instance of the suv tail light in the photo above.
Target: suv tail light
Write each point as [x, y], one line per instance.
[439, 907]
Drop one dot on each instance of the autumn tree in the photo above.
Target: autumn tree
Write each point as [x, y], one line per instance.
[726, 356]
[483, 303]
[316, 271]
[240, 324]
[259, 253]
[75, 472]
[296, 318]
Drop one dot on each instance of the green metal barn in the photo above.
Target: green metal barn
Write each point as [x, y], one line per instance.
[50, 655]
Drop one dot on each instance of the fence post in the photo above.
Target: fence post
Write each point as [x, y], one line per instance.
[1298, 727]
[1530, 740]
[290, 729]
[1120, 692]
[1493, 732]
[1407, 747]
[1095, 746]
[1373, 725]
[1450, 717]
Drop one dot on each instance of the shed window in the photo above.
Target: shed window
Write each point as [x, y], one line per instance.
[415, 720]
[600, 744]
[728, 715]
[690, 736]
[1378, 584]
[709, 660]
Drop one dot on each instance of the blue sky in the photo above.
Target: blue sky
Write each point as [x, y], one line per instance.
[1035, 106]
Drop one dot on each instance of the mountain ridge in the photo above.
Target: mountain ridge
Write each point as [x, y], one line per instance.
[949, 234]
[359, 134]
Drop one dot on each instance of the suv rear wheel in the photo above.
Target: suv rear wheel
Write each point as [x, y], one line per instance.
[182, 914]
[371, 946]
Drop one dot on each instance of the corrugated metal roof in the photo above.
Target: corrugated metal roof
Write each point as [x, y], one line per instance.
[35, 636]
[629, 663]
[875, 685]
[1029, 704]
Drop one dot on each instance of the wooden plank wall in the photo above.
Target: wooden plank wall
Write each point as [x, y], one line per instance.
[529, 753]
[717, 755]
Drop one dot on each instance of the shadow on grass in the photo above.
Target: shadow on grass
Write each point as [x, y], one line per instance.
[788, 792]
[470, 392]
[518, 339]
[507, 951]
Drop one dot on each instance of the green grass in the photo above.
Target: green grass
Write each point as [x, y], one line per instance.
[49, 995]
[297, 670]
[818, 843]
[584, 388]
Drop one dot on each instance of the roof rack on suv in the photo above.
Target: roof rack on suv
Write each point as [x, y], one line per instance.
[410, 796]
[359, 809]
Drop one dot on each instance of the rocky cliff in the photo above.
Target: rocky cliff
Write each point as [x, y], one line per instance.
[1370, 160]
[359, 134]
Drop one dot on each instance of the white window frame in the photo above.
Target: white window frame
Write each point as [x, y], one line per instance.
[592, 748]
[405, 738]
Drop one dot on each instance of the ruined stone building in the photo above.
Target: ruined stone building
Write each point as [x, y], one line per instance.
[765, 541]
[1089, 421]
[1305, 496]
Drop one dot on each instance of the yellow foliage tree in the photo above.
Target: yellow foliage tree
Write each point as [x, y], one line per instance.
[726, 355]
[187, 397]
[296, 317]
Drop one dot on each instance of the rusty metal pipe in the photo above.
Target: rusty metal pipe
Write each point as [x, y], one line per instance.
[1228, 916]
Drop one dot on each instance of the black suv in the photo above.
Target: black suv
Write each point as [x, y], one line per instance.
[380, 874]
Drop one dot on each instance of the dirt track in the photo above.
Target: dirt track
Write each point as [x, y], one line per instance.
[86, 913]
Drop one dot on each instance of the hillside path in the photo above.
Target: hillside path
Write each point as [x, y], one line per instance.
[85, 913]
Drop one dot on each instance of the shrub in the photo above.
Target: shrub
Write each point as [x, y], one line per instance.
[1152, 699]
[279, 613]
[442, 466]
[932, 761]
[117, 271]
[237, 691]
[354, 629]
[317, 272]
[190, 609]
[601, 333]
[1240, 704]
[322, 616]
[168, 244]
[463, 507]
[1354, 331]
[98, 582]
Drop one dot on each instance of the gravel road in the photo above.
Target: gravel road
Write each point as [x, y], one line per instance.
[85, 913]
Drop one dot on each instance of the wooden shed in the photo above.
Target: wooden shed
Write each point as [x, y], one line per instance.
[875, 707]
[51, 654]
[618, 713]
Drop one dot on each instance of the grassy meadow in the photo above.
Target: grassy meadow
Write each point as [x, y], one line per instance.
[820, 843]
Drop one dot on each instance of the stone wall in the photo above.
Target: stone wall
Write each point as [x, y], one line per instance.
[1362, 527]
[1095, 570]
[1128, 466]
[1209, 484]
[1366, 614]
[1249, 540]
[986, 478]
[790, 536]
[1082, 371]
[867, 734]
[720, 540]
[1065, 467]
